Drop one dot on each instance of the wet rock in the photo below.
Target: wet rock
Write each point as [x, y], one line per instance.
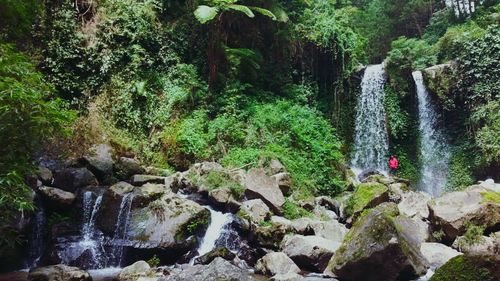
[135, 271]
[58, 198]
[167, 223]
[58, 272]
[309, 252]
[139, 180]
[331, 230]
[72, 178]
[379, 247]
[110, 206]
[366, 195]
[221, 252]
[284, 181]
[223, 197]
[127, 167]
[260, 186]
[44, 175]
[302, 226]
[440, 79]
[414, 204]
[366, 173]
[256, 210]
[276, 263]
[329, 203]
[289, 276]
[269, 236]
[147, 193]
[437, 254]
[100, 160]
[324, 213]
[490, 184]
[219, 269]
[452, 211]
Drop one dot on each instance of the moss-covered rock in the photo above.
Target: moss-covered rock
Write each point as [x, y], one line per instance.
[440, 80]
[468, 268]
[367, 195]
[381, 245]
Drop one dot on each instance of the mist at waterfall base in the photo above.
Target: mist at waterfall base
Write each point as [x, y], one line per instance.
[371, 145]
[434, 148]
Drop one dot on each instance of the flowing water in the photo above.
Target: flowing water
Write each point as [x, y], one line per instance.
[371, 142]
[37, 235]
[91, 241]
[434, 149]
[216, 229]
[120, 237]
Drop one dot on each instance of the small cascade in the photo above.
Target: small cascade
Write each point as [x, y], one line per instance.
[91, 241]
[37, 235]
[215, 231]
[120, 236]
[434, 149]
[371, 141]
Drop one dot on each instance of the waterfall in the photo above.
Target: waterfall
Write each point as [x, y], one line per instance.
[119, 239]
[371, 142]
[216, 229]
[434, 150]
[91, 241]
[37, 235]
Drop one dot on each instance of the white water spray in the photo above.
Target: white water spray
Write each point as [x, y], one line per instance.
[371, 144]
[434, 149]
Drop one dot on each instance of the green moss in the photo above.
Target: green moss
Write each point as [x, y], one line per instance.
[218, 179]
[362, 197]
[265, 223]
[490, 196]
[195, 224]
[293, 211]
[462, 268]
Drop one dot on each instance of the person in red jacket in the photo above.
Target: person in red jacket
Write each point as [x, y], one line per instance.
[393, 165]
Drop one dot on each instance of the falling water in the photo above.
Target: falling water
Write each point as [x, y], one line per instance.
[37, 235]
[91, 240]
[434, 150]
[122, 222]
[370, 141]
[218, 223]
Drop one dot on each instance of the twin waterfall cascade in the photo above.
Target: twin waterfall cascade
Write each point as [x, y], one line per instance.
[371, 146]
[120, 237]
[434, 149]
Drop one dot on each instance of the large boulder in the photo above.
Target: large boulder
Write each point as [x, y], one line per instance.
[284, 181]
[469, 268]
[451, 212]
[439, 79]
[256, 210]
[269, 236]
[58, 198]
[414, 204]
[58, 272]
[135, 271]
[437, 254]
[480, 245]
[166, 223]
[367, 195]
[70, 179]
[139, 180]
[99, 159]
[127, 167]
[260, 186]
[224, 197]
[330, 229]
[44, 175]
[111, 205]
[276, 263]
[309, 252]
[219, 269]
[221, 252]
[379, 246]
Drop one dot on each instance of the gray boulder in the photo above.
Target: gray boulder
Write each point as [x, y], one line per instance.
[110, 206]
[276, 263]
[58, 272]
[482, 245]
[330, 229]
[256, 210]
[379, 246]
[414, 204]
[139, 180]
[260, 186]
[309, 252]
[284, 181]
[367, 195]
[100, 160]
[451, 212]
[44, 175]
[127, 167]
[218, 270]
[71, 179]
[57, 197]
[221, 252]
[437, 254]
[135, 271]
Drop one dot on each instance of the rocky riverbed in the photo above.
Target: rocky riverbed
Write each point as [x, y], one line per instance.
[105, 215]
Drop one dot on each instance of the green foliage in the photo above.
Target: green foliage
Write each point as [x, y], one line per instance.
[397, 118]
[154, 261]
[460, 169]
[438, 25]
[205, 13]
[330, 29]
[293, 211]
[265, 223]
[491, 196]
[220, 179]
[26, 101]
[17, 18]
[488, 136]
[408, 167]
[456, 38]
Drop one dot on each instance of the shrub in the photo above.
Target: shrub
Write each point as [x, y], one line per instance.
[454, 41]
[293, 211]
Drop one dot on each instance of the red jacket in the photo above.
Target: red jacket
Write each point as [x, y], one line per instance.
[393, 163]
